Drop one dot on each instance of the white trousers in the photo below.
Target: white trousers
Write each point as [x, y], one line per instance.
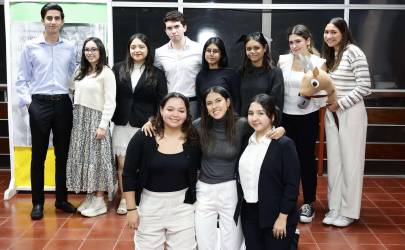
[213, 200]
[164, 217]
[346, 153]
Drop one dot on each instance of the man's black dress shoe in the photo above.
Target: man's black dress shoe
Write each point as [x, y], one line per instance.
[65, 207]
[37, 212]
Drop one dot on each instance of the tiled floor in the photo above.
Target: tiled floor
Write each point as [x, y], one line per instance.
[382, 223]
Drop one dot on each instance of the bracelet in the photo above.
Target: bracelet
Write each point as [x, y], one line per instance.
[131, 209]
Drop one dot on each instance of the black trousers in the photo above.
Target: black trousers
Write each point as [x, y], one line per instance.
[257, 238]
[49, 113]
[304, 130]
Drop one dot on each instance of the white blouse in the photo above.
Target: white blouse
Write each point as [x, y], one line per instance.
[250, 164]
[136, 74]
[292, 84]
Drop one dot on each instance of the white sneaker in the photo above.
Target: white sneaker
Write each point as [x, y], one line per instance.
[97, 207]
[86, 203]
[122, 207]
[330, 217]
[343, 221]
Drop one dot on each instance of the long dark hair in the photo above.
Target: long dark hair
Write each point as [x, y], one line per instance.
[223, 61]
[187, 128]
[85, 66]
[125, 72]
[206, 124]
[268, 63]
[329, 52]
[303, 31]
[268, 103]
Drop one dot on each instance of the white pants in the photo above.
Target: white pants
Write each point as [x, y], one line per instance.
[164, 217]
[213, 200]
[346, 152]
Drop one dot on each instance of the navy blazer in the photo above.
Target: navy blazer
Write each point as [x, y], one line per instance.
[279, 181]
[137, 106]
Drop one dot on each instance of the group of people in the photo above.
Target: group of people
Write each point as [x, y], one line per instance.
[212, 150]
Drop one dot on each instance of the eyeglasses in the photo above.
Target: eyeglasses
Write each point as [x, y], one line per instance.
[90, 50]
[213, 51]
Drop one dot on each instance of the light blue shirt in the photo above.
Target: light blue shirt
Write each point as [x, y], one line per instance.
[45, 68]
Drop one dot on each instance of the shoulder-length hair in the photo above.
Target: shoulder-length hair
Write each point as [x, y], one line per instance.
[268, 63]
[85, 66]
[187, 127]
[328, 53]
[125, 72]
[303, 31]
[206, 123]
[223, 61]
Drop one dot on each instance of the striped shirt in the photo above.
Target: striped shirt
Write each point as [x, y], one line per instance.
[351, 77]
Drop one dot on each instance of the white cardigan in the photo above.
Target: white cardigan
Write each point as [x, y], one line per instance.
[97, 92]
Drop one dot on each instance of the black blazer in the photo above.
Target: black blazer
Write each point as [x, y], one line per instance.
[140, 150]
[137, 106]
[279, 181]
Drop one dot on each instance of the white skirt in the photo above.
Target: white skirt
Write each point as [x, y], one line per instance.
[121, 137]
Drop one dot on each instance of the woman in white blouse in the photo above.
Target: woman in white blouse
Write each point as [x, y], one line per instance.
[302, 125]
[269, 174]
[90, 165]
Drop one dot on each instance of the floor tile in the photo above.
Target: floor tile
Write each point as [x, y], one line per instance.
[392, 203]
[39, 233]
[125, 245]
[398, 219]
[359, 239]
[98, 244]
[28, 244]
[383, 229]
[71, 234]
[370, 219]
[368, 247]
[329, 237]
[391, 238]
[112, 234]
[63, 244]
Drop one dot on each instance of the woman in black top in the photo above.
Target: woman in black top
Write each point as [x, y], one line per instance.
[140, 88]
[214, 72]
[163, 168]
[258, 73]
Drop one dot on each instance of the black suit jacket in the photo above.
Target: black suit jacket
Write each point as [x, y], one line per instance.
[278, 183]
[137, 106]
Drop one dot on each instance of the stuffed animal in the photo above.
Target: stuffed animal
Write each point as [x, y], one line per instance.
[315, 80]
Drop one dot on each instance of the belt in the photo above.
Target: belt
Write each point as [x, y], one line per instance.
[192, 99]
[50, 97]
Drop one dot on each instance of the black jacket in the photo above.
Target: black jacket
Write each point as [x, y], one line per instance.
[278, 183]
[137, 106]
[140, 150]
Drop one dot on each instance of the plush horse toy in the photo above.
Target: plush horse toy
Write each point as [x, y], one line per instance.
[315, 80]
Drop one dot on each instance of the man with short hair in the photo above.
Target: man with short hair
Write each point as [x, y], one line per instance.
[46, 66]
[180, 59]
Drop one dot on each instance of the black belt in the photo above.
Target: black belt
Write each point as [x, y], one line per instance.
[192, 99]
[50, 97]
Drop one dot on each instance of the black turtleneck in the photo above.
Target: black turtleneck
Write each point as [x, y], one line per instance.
[259, 80]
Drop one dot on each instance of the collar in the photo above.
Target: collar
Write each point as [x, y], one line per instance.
[41, 40]
[264, 140]
[187, 44]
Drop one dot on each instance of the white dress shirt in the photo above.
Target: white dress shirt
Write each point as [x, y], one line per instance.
[136, 74]
[181, 69]
[250, 164]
